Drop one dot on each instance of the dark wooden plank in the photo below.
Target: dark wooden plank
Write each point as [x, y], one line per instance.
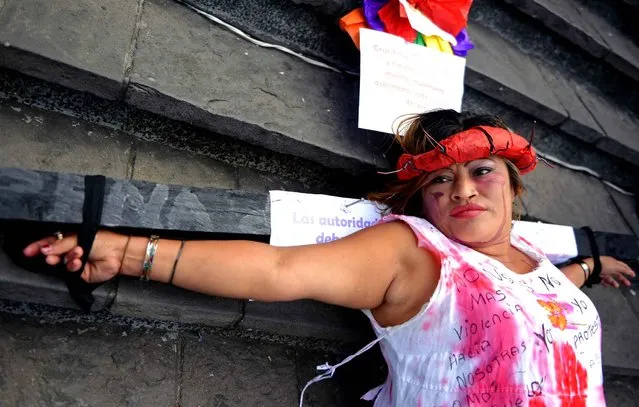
[57, 197]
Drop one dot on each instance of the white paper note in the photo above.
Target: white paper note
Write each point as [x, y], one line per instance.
[399, 78]
[556, 241]
[300, 219]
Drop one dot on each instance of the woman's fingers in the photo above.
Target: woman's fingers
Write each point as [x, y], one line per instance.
[55, 251]
[74, 265]
[625, 269]
[59, 247]
[73, 258]
[610, 281]
[623, 280]
[36, 247]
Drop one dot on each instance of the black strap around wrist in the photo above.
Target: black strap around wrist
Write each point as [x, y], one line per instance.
[94, 190]
[595, 275]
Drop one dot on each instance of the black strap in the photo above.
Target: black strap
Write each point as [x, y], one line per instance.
[94, 189]
[595, 274]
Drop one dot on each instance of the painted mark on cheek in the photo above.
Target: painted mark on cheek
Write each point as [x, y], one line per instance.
[431, 204]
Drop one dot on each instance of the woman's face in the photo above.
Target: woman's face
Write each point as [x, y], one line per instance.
[470, 202]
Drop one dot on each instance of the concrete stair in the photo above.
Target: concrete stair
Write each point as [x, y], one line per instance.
[160, 56]
[150, 90]
[601, 35]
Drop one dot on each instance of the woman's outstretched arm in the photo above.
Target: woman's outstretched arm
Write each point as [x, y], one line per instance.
[355, 271]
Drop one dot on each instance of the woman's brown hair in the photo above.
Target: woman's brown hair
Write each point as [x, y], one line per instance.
[403, 197]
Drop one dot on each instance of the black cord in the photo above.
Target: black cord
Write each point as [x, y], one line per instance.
[595, 275]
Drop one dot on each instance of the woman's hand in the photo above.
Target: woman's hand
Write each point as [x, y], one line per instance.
[614, 271]
[105, 259]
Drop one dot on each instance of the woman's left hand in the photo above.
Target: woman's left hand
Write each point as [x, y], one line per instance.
[614, 271]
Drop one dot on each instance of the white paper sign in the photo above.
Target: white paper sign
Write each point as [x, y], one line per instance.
[300, 219]
[399, 78]
[556, 241]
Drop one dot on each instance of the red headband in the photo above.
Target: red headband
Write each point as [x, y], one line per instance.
[473, 144]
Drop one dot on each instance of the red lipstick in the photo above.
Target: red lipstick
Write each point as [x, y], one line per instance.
[467, 211]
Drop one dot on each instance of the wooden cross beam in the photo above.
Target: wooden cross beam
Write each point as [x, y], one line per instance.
[39, 196]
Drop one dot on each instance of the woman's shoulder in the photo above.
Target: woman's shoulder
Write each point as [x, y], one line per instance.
[410, 220]
[427, 234]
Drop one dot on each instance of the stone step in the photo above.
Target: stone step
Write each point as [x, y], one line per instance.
[166, 59]
[520, 67]
[186, 365]
[586, 29]
[48, 356]
[88, 148]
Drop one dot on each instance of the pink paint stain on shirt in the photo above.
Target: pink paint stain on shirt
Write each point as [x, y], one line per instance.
[493, 380]
[571, 376]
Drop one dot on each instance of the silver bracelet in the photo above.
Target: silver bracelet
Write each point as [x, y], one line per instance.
[151, 248]
[584, 266]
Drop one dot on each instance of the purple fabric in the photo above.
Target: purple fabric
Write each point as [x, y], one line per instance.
[371, 7]
[464, 44]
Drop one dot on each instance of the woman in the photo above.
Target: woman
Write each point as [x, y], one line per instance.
[465, 311]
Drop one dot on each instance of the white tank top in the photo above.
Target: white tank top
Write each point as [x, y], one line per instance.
[491, 337]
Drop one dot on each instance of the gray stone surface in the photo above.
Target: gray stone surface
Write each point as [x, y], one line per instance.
[19, 90]
[620, 330]
[36, 139]
[561, 55]
[258, 181]
[168, 303]
[17, 284]
[632, 296]
[181, 136]
[501, 71]
[78, 44]
[188, 69]
[331, 7]
[619, 124]
[621, 391]
[307, 318]
[550, 141]
[627, 207]
[624, 53]
[26, 90]
[564, 18]
[234, 373]
[80, 365]
[565, 197]
[298, 27]
[100, 363]
[580, 122]
[157, 163]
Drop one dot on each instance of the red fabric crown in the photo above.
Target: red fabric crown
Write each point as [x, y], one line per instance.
[473, 144]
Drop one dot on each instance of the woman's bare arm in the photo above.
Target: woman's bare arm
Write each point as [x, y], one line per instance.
[575, 273]
[613, 272]
[355, 271]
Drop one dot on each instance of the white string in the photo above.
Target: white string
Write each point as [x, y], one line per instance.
[330, 370]
[315, 62]
[584, 169]
[265, 44]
